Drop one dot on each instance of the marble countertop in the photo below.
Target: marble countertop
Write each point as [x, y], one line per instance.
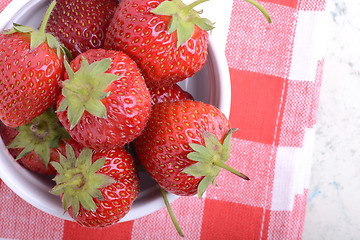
[333, 210]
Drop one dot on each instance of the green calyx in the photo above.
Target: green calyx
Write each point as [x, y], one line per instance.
[77, 180]
[85, 89]
[184, 18]
[40, 135]
[37, 37]
[210, 160]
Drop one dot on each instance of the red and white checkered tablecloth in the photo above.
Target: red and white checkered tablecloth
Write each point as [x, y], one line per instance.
[275, 72]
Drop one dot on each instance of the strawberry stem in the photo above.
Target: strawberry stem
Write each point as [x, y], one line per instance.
[171, 213]
[261, 8]
[185, 11]
[40, 129]
[46, 17]
[77, 181]
[230, 169]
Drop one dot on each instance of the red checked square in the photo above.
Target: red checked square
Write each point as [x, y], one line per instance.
[73, 230]
[246, 222]
[256, 102]
[288, 3]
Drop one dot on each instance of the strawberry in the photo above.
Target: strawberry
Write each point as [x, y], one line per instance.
[167, 39]
[31, 65]
[104, 101]
[169, 94]
[35, 144]
[81, 25]
[97, 188]
[185, 145]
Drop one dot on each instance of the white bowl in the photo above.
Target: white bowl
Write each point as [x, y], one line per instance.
[210, 85]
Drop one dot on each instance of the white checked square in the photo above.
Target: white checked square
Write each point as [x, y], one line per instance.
[309, 45]
[292, 173]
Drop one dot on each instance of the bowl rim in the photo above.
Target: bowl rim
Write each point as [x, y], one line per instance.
[222, 100]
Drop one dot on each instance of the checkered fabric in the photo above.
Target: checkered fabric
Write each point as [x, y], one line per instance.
[275, 72]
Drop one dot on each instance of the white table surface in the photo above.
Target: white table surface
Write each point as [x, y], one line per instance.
[333, 210]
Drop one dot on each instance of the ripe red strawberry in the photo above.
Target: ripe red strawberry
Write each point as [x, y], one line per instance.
[97, 188]
[169, 94]
[104, 102]
[185, 145]
[35, 144]
[81, 25]
[31, 65]
[167, 39]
